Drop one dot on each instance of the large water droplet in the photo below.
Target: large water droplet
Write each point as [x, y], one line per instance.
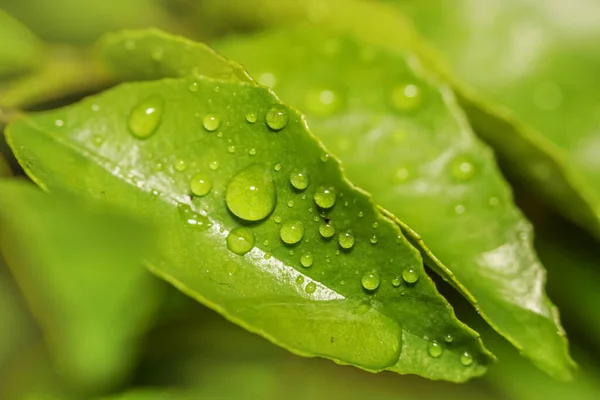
[370, 280]
[326, 229]
[346, 239]
[145, 117]
[240, 241]
[435, 349]
[299, 179]
[466, 359]
[200, 185]
[463, 168]
[277, 117]
[250, 194]
[292, 231]
[306, 260]
[406, 97]
[410, 275]
[211, 122]
[192, 219]
[325, 196]
[310, 288]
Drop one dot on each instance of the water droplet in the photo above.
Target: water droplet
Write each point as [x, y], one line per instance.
[299, 179]
[214, 165]
[231, 149]
[370, 280]
[292, 231]
[193, 87]
[306, 260]
[322, 102]
[405, 97]
[145, 117]
[291, 252]
[251, 117]
[326, 229]
[192, 219]
[180, 165]
[435, 349]
[250, 194]
[324, 157]
[219, 134]
[396, 281]
[375, 225]
[97, 140]
[265, 242]
[59, 123]
[361, 214]
[159, 166]
[200, 185]
[240, 241]
[310, 288]
[267, 79]
[277, 219]
[346, 239]
[410, 275]
[463, 168]
[300, 279]
[211, 122]
[466, 359]
[290, 203]
[155, 192]
[324, 196]
[373, 239]
[277, 117]
[252, 151]
[267, 256]
[449, 338]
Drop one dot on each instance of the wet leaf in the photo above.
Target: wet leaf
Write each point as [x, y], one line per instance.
[385, 116]
[536, 98]
[81, 273]
[19, 48]
[244, 145]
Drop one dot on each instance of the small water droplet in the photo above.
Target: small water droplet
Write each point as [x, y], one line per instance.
[405, 97]
[180, 165]
[159, 166]
[200, 185]
[251, 117]
[192, 219]
[324, 157]
[463, 168]
[214, 165]
[466, 359]
[326, 229]
[240, 241]
[290, 203]
[306, 260]
[435, 349]
[265, 242]
[252, 151]
[277, 167]
[299, 179]
[325, 196]
[155, 192]
[410, 275]
[291, 252]
[145, 117]
[449, 338]
[360, 214]
[97, 140]
[277, 117]
[211, 122]
[375, 225]
[373, 239]
[231, 149]
[396, 281]
[346, 239]
[193, 87]
[370, 280]
[292, 231]
[219, 134]
[267, 256]
[300, 279]
[310, 288]
[251, 194]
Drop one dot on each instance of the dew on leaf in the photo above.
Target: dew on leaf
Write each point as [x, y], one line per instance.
[300, 279]
[325, 196]
[211, 122]
[306, 260]
[405, 97]
[252, 151]
[192, 219]
[251, 117]
[310, 288]
[449, 338]
[180, 165]
[326, 229]
[250, 194]
[410, 275]
[277, 219]
[277, 117]
[214, 165]
[435, 349]
[97, 140]
[277, 167]
[292, 231]
[396, 282]
[466, 359]
[373, 239]
[200, 185]
[231, 149]
[346, 239]
[240, 241]
[145, 117]
[370, 280]
[324, 157]
[193, 87]
[299, 180]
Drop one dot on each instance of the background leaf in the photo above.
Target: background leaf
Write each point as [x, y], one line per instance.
[19, 48]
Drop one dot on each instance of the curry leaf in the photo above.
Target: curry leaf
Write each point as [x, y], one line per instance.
[258, 221]
[384, 115]
[82, 276]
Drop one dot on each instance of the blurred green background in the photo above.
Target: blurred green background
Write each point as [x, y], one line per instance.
[165, 345]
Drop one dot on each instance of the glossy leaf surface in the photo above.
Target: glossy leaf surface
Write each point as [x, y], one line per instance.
[205, 132]
[82, 277]
[385, 116]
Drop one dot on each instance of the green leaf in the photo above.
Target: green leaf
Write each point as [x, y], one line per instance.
[19, 48]
[80, 270]
[4, 167]
[546, 76]
[385, 116]
[199, 132]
